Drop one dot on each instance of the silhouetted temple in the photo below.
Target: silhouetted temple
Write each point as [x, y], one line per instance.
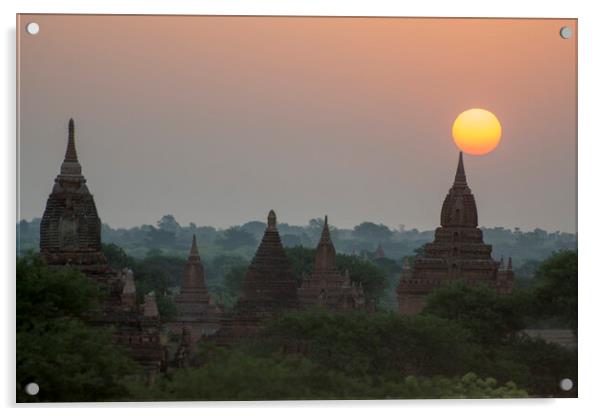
[70, 236]
[326, 286]
[196, 315]
[269, 289]
[70, 227]
[457, 253]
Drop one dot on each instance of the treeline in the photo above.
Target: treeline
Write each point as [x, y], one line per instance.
[526, 247]
[468, 343]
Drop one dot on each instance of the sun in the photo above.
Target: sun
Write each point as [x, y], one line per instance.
[477, 131]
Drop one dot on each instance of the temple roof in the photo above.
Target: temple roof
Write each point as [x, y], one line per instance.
[270, 281]
[325, 251]
[460, 179]
[193, 289]
[70, 165]
[459, 208]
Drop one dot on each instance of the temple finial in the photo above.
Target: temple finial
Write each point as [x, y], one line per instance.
[325, 230]
[272, 219]
[71, 166]
[460, 179]
[71, 154]
[194, 251]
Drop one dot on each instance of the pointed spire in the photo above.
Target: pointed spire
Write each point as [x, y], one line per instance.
[509, 263]
[325, 231]
[272, 220]
[325, 252]
[71, 154]
[194, 251]
[460, 179]
[70, 165]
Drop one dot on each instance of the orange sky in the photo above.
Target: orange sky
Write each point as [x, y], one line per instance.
[219, 119]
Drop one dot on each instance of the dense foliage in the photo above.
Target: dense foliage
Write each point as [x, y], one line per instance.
[469, 342]
[56, 348]
[241, 376]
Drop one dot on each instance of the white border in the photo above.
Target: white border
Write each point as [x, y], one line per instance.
[590, 151]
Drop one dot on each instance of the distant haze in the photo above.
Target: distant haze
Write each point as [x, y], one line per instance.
[217, 120]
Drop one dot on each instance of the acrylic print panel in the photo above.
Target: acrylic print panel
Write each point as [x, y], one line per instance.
[271, 208]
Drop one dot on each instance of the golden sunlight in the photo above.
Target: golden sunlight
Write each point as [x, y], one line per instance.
[477, 131]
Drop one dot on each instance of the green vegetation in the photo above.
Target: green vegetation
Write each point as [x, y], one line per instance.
[239, 376]
[467, 343]
[69, 359]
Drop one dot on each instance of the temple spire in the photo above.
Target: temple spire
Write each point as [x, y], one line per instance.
[460, 179]
[194, 251]
[71, 154]
[325, 231]
[272, 220]
[325, 252]
[70, 166]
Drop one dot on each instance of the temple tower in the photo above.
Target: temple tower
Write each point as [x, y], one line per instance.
[269, 285]
[193, 290]
[326, 286]
[197, 315]
[269, 290]
[70, 236]
[457, 252]
[70, 227]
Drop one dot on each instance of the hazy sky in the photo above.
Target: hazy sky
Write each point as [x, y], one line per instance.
[219, 119]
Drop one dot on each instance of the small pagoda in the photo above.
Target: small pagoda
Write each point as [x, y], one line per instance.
[326, 287]
[269, 290]
[197, 315]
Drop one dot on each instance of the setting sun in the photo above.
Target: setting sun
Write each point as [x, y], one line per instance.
[477, 131]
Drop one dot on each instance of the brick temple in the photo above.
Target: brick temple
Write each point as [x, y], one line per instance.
[269, 290]
[197, 315]
[70, 236]
[457, 253]
[326, 287]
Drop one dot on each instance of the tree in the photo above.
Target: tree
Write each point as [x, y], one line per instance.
[381, 344]
[374, 233]
[556, 288]
[491, 317]
[56, 348]
[168, 223]
[157, 237]
[233, 280]
[238, 375]
[116, 256]
[235, 237]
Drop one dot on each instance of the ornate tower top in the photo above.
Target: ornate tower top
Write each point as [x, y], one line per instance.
[193, 288]
[459, 208]
[70, 227]
[460, 179]
[272, 220]
[325, 252]
[70, 165]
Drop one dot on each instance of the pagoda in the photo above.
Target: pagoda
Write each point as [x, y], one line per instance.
[193, 292]
[70, 227]
[70, 237]
[196, 315]
[326, 287]
[269, 289]
[457, 253]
